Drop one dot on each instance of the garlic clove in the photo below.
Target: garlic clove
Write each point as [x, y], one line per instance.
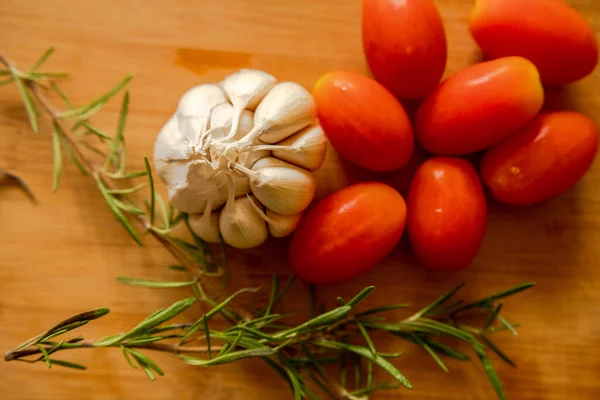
[170, 144]
[249, 158]
[286, 109]
[240, 224]
[222, 116]
[200, 99]
[248, 87]
[281, 186]
[307, 148]
[206, 226]
[282, 225]
[190, 184]
[245, 89]
[194, 109]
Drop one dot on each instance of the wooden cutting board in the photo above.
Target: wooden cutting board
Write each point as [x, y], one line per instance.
[61, 256]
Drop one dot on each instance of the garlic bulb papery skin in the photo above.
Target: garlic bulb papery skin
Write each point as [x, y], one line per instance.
[281, 186]
[282, 225]
[305, 149]
[218, 149]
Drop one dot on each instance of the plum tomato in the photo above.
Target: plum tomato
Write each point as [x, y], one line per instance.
[347, 233]
[405, 45]
[479, 106]
[542, 160]
[550, 33]
[363, 121]
[447, 214]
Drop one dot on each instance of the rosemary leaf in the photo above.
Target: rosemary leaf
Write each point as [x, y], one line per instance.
[178, 267]
[61, 94]
[118, 214]
[274, 288]
[42, 59]
[73, 157]
[216, 309]
[67, 364]
[45, 355]
[507, 325]
[154, 284]
[151, 322]
[128, 190]
[30, 107]
[125, 351]
[97, 103]
[56, 135]
[496, 296]
[366, 353]
[447, 350]
[207, 335]
[496, 350]
[381, 309]
[296, 388]
[6, 81]
[491, 373]
[325, 319]
[151, 181]
[493, 317]
[146, 361]
[438, 302]
[431, 352]
[148, 372]
[365, 334]
[117, 141]
[228, 358]
[164, 212]
[369, 375]
[361, 296]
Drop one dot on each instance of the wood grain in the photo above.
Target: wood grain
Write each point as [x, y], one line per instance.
[62, 255]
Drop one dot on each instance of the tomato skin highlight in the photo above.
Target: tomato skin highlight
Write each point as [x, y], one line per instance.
[550, 33]
[363, 121]
[447, 214]
[543, 160]
[347, 233]
[479, 106]
[405, 45]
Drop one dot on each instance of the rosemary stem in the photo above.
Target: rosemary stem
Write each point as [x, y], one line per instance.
[162, 347]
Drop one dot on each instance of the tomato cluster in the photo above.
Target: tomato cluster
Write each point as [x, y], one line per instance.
[492, 107]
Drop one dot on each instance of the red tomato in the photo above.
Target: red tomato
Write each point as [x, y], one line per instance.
[447, 214]
[347, 233]
[543, 160]
[405, 45]
[363, 121]
[479, 106]
[550, 33]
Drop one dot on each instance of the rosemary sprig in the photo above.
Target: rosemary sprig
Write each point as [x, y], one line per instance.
[111, 174]
[298, 353]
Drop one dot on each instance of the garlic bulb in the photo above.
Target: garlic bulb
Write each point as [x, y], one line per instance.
[248, 134]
